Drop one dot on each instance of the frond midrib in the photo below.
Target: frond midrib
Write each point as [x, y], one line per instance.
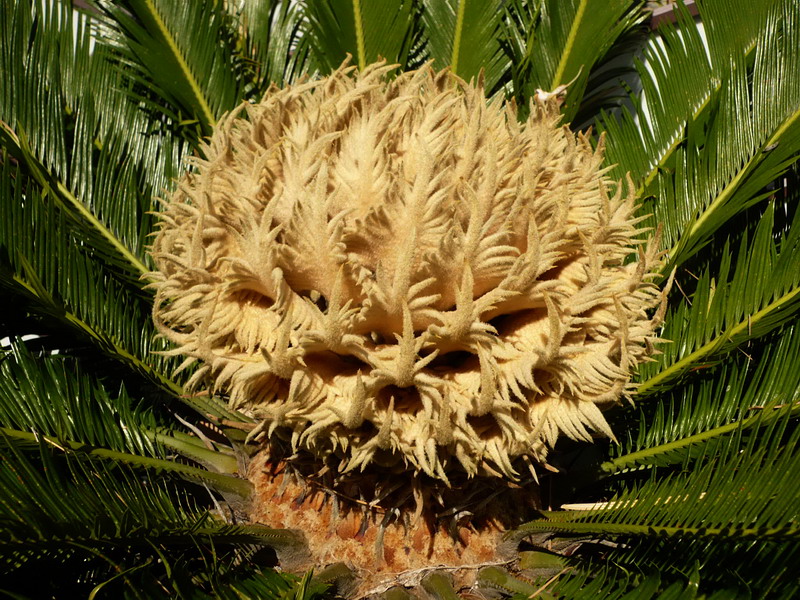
[707, 350]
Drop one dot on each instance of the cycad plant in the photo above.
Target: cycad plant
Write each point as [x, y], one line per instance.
[229, 455]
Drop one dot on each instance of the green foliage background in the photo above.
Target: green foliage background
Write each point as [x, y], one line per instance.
[115, 483]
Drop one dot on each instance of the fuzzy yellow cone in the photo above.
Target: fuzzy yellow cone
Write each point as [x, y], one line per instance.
[395, 272]
[416, 295]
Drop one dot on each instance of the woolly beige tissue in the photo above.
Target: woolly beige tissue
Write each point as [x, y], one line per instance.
[398, 273]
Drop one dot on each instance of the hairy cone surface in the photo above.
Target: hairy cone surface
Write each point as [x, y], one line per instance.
[399, 273]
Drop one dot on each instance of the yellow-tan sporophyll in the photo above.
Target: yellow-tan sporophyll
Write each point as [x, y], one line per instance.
[396, 276]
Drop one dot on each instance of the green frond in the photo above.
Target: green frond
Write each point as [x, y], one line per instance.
[678, 77]
[58, 277]
[365, 30]
[557, 43]
[79, 218]
[752, 139]
[272, 40]
[224, 484]
[41, 121]
[738, 395]
[251, 583]
[182, 51]
[750, 296]
[32, 46]
[466, 35]
[702, 166]
[737, 499]
[598, 580]
[54, 396]
[678, 569]
[608, 85]
[113, 521]
[75, 210]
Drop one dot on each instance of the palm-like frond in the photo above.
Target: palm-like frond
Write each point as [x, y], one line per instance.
[738, 129]
[59, 278]
[39, 122]
[740, 394]
[104, 523]
[274, 46]
[677, 77]
[755, 290]
[365, 30]
[167, 43]
[52, 395]
[619, 586]
[466, 35]
[557, 44]
[740, 490]
[76, 220]
[81, 161]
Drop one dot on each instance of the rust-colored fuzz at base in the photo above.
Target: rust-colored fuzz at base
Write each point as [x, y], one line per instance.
[402, 281]
[397, 537]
